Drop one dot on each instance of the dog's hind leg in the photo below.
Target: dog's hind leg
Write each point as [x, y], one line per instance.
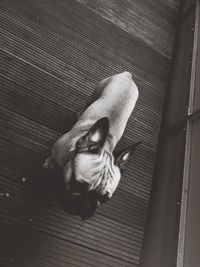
[95, 95]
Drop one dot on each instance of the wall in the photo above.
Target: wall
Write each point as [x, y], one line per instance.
[162, 229]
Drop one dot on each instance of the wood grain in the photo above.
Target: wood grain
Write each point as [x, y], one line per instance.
[151, 21]
[52, 55]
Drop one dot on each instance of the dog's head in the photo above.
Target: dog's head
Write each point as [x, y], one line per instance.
[92, 174]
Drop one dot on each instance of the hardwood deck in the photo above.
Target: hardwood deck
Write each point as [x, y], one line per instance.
[53, 53]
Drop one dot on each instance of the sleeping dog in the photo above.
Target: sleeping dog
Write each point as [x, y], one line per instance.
[90, 172]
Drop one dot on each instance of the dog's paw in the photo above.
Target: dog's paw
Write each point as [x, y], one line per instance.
[48, 164]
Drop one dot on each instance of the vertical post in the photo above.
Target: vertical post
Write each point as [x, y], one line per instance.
[162, 229]
[186, 173]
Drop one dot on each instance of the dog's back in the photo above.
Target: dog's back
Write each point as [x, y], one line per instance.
[115, 97]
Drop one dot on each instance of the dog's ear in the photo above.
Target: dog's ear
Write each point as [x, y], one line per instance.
[95, 138]
[123, 156]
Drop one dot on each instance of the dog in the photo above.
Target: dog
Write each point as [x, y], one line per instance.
[90, 172]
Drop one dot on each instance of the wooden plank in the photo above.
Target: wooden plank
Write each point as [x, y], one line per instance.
[24, 74]
[56, 250]
[99, 222]
[153, 86]
[122, 44]
[21, 101]
[62, 124]
[155, 30]
[17, 157]
[78, 232]
[21, 131]
[53, 53]
[21, 191]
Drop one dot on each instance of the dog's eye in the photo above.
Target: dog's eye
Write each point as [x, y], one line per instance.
[94, 148]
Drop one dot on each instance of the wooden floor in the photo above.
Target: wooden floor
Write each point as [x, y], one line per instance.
[53, 53]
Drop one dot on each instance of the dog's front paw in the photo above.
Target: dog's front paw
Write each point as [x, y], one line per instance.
[48, 163]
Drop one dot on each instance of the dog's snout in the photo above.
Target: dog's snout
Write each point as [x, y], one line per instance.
[76, 186]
